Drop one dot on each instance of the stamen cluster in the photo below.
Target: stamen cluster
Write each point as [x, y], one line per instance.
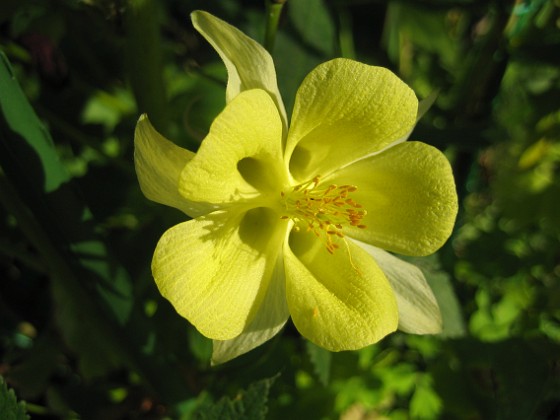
[323, 210]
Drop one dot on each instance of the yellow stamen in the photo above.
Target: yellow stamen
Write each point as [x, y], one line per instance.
[324, 210]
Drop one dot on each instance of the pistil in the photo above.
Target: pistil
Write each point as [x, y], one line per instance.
[323, 210]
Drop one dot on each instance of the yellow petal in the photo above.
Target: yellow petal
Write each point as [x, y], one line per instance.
[409, 194]
[339, 301]
[268, 321]
[158, 163]
[215, 270]
[418, 308]
[241, 158]
[248, 64]
[345, 110]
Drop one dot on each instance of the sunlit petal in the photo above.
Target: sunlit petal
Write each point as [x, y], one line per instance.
[345, 110]
[216, 269]
[240, 159]
[339, 301]
[268, 321]
[409, 194]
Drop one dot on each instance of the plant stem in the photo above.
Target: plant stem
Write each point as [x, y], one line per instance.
[273, 12]
[143, 59]
[345, 36]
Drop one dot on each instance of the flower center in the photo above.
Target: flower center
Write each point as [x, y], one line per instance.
[324, 210]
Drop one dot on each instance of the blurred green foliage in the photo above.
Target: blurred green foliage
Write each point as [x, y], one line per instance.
[83, 330]
[9, 406]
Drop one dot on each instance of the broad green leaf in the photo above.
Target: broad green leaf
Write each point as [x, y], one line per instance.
[34, 373]
[422, 26]
[32, 166]
[250, 404]
[200, 346]
[293, 71]
[314, 24]
[86, 334]
[321, 360]
[425, 402]
[511, 379]
[143, 50]
[91, 293]
[10, 408]
[26, 138]
[114, 284]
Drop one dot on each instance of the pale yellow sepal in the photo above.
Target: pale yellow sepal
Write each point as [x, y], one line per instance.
[248, 64]
[410, 197]
[215, 270]
[339, 301]
[241, 158]
[418, 308]
[423, 106]
[268, 321]
[345, 110]
[158, 163]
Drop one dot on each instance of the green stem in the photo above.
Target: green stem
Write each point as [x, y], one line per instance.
[143, 58]
[345, 36]
[273, 12]
[29, 225]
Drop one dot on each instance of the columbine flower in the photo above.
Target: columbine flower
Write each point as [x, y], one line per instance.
[295, 222]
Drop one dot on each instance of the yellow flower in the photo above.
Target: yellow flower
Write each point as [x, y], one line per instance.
[294, 222]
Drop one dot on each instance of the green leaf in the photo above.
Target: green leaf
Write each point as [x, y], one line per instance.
[511, 379]
[114, 284]
[425, 402]
[291, 72]
[92, 294]
[37, 366]
[49, 213]
[314, 23]
[321, 360]
[10, 409]
[21, 121]
[247, 405]
[143, 50]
